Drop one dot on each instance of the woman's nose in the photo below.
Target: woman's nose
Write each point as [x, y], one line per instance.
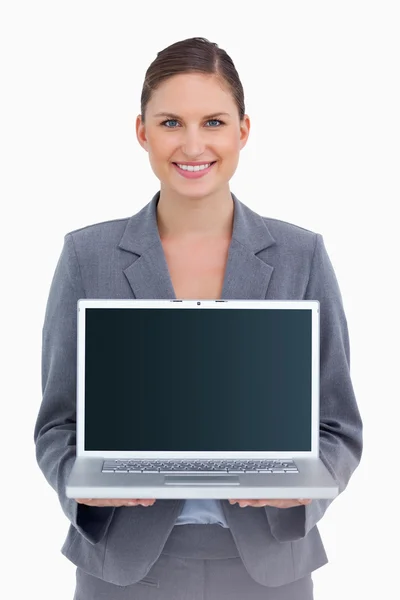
[193, 145]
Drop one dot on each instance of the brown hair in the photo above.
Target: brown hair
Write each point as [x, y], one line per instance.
[189, 56]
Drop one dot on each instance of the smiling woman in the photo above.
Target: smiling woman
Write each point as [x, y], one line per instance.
[194, 240]
[193, 137]
[193, 114]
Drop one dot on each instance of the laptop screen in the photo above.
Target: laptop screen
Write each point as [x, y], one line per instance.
[198, 379]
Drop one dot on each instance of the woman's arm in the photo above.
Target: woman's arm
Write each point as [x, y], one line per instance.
[55, 429]
[340, 421]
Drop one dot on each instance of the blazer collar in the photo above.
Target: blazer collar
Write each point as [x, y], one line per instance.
[246, 275]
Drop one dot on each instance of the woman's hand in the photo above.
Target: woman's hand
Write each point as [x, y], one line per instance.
[276, 503]
[116, 502]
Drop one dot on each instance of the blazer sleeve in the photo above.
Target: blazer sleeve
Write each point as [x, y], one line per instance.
[55, 429]
[340, 421]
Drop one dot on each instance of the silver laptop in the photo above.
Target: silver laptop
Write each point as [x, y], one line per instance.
[198, 399]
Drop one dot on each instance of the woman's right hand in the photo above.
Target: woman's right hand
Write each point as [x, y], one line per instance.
[116, 502]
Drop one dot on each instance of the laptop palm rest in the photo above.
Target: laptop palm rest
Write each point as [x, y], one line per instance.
[201, 480]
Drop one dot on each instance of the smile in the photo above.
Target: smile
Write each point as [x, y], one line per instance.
[191, 172]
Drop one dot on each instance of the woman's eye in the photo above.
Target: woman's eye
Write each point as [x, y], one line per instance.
[169, 121]
[175, 121]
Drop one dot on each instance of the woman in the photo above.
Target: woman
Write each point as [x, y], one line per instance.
[194, 240]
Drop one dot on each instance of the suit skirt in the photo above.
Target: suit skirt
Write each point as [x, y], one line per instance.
[197, 562]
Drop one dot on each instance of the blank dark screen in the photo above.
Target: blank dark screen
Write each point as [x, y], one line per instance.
[198, 379]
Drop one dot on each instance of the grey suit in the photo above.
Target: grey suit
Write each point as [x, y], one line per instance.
[124, 258]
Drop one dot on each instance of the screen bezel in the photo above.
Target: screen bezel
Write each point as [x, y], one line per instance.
[200, 304]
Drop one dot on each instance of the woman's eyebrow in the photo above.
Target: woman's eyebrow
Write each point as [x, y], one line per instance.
[173, 116]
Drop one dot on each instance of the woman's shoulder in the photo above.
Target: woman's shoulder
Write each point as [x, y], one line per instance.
[279, 225]
[102, 232]
[93, 228]
[291, 234]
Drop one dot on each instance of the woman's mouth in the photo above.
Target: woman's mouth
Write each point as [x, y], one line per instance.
[196, 174]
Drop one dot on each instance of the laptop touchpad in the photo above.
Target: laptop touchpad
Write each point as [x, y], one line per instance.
[201, 480]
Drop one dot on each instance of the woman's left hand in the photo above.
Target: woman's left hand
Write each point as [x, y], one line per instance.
[276, 503]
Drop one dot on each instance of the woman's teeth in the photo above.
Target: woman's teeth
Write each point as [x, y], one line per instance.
[192, 168]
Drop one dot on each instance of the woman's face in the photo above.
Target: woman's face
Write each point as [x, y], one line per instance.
[192, 128]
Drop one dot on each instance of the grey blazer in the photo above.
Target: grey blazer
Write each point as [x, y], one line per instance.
[124, 258]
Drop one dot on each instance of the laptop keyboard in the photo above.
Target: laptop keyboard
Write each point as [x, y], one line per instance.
[198, 466]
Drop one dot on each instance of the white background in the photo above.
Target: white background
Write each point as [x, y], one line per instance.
[321, 82]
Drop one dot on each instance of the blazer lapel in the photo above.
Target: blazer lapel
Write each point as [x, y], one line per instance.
[246, 275]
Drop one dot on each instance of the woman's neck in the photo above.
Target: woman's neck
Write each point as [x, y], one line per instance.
[183, 218]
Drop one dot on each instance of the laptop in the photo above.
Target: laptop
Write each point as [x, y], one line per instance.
[198, 399]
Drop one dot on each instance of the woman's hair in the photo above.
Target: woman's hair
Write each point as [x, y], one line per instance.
[193, 55]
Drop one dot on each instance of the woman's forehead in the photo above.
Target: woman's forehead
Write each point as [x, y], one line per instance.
[192, 96]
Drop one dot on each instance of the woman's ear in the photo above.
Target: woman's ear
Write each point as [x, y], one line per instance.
[244, 130]
[141, 132]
